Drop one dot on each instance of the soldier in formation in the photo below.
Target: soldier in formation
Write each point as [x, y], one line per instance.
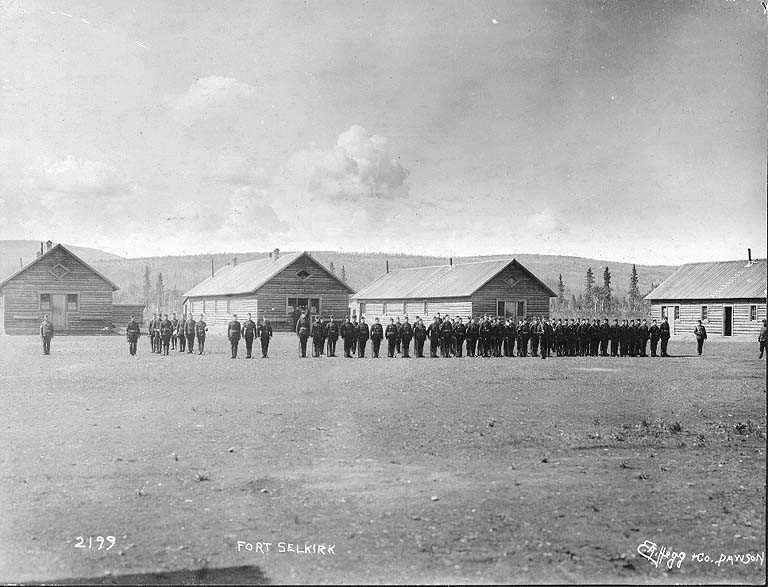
[166, 332]
[265, 335]
[200, 329]
[234, 333]
[249, 333]
[46, 334]
[332, 335]
[132, 334]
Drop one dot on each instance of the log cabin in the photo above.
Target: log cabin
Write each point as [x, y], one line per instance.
[498, 287]
[279, 287]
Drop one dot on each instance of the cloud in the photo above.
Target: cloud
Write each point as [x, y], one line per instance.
[360, 166]
[250, 210]
[208, 96]
[545, 223]
[236, 170]
[76, 176]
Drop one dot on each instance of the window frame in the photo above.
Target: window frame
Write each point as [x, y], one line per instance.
[676, 312]
[753, 312]
[704, 313]
[40, 302]
[76, 307]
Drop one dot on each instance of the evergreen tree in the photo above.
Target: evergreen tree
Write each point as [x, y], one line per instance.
[147, 290]
[607, 289]
[634, 290]
[332, 268]
[573, 302]
[589, 285]
[560, 291]
[159, 291]
[343, 273]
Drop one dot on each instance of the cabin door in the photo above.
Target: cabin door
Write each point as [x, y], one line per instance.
[59, 311]
[727, 320]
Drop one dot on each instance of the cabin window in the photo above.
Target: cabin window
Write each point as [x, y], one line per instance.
[45, 302]
[384, 308]
[704, 313]
[520, 309]
[426, 308]
[229, 306]
[753, 313]
[71, 302]
[405, 308]
[677, 312]
[296, 305]
[663, 312]
[362, 308]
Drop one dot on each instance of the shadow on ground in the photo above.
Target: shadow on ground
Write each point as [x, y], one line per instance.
[244, 575]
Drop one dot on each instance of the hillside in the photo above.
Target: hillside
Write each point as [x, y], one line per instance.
[13, 250]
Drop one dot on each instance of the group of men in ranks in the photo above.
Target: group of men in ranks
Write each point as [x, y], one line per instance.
[165, 335]
[486, 337]
[248, 331]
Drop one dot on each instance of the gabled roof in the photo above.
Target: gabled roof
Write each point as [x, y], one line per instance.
[714, 281]
[441, 281]
[247, 277]
[50, 251]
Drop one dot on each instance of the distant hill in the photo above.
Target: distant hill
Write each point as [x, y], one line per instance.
[181, 273]
[12, 251]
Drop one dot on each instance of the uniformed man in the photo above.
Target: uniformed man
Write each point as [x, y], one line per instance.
[511, 334]
[624, 338]
[182, 333]
[701, 335]
[189, 332]
[594, 338]
[316, 334]
[265, 335]
[249, 333]
[762, 337]
[522, 338]
[419, 336]
[433, 332]
[354, 336]
[331, 335]
[175, 332]
[573, 338]
[302, 331]
[473, 332]
[166, 331]
[377, 334]
[546, 338]
[459, 335]
[132, 334]
[46, 334]
[323, 335]
[363, 334]
[605, 336]
[632, 336]
[399, 340]
[654, 332]
[642, 335]
[234, 332]
[406, 334]
[152, 334]
[158, 335]
[615, 330]
[348, 334]
[200, 329]
[446, 334]
[535, 331]
[391, 334]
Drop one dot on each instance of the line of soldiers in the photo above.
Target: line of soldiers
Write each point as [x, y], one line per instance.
[486, 337]
[165, 335]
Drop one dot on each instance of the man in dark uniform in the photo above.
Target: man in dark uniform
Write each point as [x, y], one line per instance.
[446, 334]
[46, 334]
[182, 333]
[200, 329]
[497, 336]
[189, 332]
[132, 334]
[535, 332]
[664, 334]
[510, 332]
[158, 335]
[605, 336]
[642, 339]
[323, 332]
[151, 332]
[391, 334]
[522, 338]
[594, 338]
[473, 332]
[377, 334]
[166, 331]
[175, 332]
[419, 336]
[249, 333]
[354, 336]
[363, 334]
[573, 338]
[632, 331]
[459, 335]
[331, 335]
[546, 338]
[615, 330]
[433, 332]
[302, 331]
[399, 340]
[623, 338]
[406, 334]
[316, 334]
[265, 334]
[234, 332]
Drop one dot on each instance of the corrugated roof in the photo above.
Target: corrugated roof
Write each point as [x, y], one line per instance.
[249, 276]
[714, 281]
[60, 247]
[442, 281]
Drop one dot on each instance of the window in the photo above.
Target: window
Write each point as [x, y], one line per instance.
[753, 313]
[71, 302]
[704, 313]
[426, 308]
[510, 281]
[203, 306]
[521, 309]
[303, 275]
[384, 308]
[215, 306]
[405, 308]
[362, 308]
[664, 312]
[501, 308]
[228, 306]
[296, 305]
[677, 312]
[45, 302]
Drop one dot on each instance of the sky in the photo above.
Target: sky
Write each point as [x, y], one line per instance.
[625, 131]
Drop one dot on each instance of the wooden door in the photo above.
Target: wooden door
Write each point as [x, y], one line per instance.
[727, 320]
[59, 311]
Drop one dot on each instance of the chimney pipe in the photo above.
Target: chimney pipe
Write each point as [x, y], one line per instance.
[749, 254]
[387, 265]
[276, 254]
[48, 245]
[211, 266]
[450, 260]
[41, 248]
[234, 261]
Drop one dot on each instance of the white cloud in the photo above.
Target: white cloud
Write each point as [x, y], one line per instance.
[544, 223]
[76, 176]
[236, 170]
[250, 211]
[207, 97]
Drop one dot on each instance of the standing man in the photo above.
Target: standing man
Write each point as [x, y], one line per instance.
[132, 334]
[189, 332]
[166, 331]
[200, 329]
[546, 338]
[459, 334]
[642, 334]
[249, 333]
[391, 334]
[175, 331]
[377, 334]
[701, 335]
[446, 334]
[399, 339]
[419, 336]
[433, 332]
[302, 331]
[332, 335]
[158, 334]
[664, 335]
[632, 336]
[348, 334]
[406, 334]
[354, 335]
[182, 334]
[654, 333]
[615, 330]
[316, 334]
[363, 334]
[265, 334]
[522, 338]
[234, 332]
[763, 337]
[605, 336]
[473, 332]
[46, 333]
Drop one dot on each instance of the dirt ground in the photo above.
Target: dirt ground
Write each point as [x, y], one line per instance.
[422, 470]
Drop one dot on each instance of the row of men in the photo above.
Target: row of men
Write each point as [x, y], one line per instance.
[487, 337]
[165, 334]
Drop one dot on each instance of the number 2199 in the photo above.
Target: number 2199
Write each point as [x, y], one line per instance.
[99, 541]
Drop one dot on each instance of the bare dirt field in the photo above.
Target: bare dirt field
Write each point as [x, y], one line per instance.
[421, 470]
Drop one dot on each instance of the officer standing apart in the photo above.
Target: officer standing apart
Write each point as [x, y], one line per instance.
[249, 333]
[46, 333]
[664, 336]
[200, 329]
[234, 331]
[763, 337]
[302, 331]
[265, 334]
[132, 334]
[701, 335]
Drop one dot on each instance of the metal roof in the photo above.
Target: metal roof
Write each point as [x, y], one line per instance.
[714, 281]
[249, 276]
[50, 251]
[441, 281]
